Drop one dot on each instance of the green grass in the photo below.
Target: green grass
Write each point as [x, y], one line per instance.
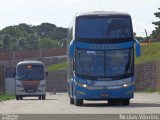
[150, 90]
[6, 97]
[149, 53]
[59, 66]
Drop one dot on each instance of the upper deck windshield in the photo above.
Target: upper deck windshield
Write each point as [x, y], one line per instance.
[103, 27]
[30, 72]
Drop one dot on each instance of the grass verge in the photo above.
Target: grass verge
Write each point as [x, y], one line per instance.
[149, 52]
[6, 97]
[59, 66]
[150, 90]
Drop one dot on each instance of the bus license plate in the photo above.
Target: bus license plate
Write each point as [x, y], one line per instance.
[30, 90]
[104, 95]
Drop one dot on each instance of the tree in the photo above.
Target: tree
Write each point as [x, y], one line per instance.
[44, 29]
[45, 43]
[6, 42]
[27, 37]
[25, 27]
[156, 33]
[32, 42]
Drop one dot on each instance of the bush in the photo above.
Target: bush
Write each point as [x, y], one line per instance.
[55, 67]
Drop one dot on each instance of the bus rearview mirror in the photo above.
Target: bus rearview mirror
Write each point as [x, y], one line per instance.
[71, 49]
[46, 73]
[138, 48]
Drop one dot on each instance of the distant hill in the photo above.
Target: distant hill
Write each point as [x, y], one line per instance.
[27, 37]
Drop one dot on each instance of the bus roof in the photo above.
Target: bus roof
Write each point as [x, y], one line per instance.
[29, 62]
[103, 13]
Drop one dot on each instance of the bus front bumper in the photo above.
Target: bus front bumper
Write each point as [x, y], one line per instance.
[104, 93]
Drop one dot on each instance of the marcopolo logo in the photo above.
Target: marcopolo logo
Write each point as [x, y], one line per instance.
[105, 46]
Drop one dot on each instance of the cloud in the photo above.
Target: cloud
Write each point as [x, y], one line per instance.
[139, 27]
[73, 0]
[1, 19]
[36, 23]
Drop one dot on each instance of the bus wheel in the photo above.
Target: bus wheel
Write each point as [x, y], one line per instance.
[112, 102]
[39, 97]
[21, 98]
[17, 97]
[43, 97]
[125, 102]
[78, 102]
[71, 100]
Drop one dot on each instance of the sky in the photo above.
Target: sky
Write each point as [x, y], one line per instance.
[62, 12]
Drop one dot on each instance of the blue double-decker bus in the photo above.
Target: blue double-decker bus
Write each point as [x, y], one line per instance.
[101, 50]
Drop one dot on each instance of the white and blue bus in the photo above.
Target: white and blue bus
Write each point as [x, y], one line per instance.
[101, 58]
[30, 80]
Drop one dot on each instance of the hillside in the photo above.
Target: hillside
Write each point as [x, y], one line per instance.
[149, 52]
[27, 37]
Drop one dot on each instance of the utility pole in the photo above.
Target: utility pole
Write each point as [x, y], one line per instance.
[147, 38]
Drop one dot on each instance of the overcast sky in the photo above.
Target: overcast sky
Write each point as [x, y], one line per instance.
[61, 12]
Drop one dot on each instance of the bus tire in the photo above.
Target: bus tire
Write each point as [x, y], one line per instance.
[125, 102]
[20, 97]
[39, 97]
[43, 97]
[112, 102]
[78, 102]
[71, 100]
[17, 97]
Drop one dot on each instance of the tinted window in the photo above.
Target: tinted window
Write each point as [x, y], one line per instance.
[30, 72]
[104, 63]
[103, 28]
[118, 62]
[90, 62]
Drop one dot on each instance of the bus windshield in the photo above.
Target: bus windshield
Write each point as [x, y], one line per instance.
[30, 72]
[90, 62]
[102, 27]
[104, 63]
[118, 62]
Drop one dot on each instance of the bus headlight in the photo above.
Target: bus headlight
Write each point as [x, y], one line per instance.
[40, 90]
[43, 85]
[127, 84]
[82, 85]
[19, 86]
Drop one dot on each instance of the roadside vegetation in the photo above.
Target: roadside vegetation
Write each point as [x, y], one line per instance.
[56, 67]
[6, 97]
[27, 37]
[149, 52]
[150, 90]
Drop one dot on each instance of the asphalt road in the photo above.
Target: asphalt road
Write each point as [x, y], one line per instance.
[59, 104]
